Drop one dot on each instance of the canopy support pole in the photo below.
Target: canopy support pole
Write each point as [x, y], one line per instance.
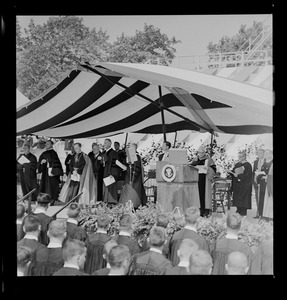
[129, 90]
[175, 136]
[211, 143]
[162, 114]
[126, 140]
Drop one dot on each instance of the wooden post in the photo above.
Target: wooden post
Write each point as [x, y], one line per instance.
[162, 114]
[126, 140]
[174, 139]
[211, 144]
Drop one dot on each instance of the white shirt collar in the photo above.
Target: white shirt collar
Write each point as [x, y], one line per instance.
[54, 245]
[190, 227]
[101, 231]
[70, 220]
[39, 210]
[18, 221]
[30, 237]
[184, 264]
[155, 250]
[231, 235]
[114, 274]
[108, 149]
[20, 273]
[108, 266]
[69, 265]
[124, 233]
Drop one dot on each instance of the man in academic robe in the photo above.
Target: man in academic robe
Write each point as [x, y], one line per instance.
[205, 178]
[49, 260]
[237, 263]
[68, 161]
[241, 187]
[119, 260]
[151, 262]
[19, 221]
[124, 236]
[97, 160]
[74, 255]
[111, 170]
[228, 244]
[74, 231]
[165, 148]
[257, 167]
[27, 172]
[107, 247]
[134, 189]
[186, 248]
[51, 168]
[200, 263]
[122, 158]
[95, 245]
[24, 257]
[191, 215]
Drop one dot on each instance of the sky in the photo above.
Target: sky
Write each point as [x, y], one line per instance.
[194, 31]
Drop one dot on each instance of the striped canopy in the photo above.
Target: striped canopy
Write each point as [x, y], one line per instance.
[113, 98]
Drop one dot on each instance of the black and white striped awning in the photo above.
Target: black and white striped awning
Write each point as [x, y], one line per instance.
[113, 98]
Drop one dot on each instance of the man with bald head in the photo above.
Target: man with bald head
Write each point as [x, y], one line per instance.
[237, 264]
[200, 263]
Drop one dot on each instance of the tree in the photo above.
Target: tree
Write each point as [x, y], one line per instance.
[234, 43]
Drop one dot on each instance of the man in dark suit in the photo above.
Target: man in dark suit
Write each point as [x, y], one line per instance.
[165, 148]
[74, 255]
[111, 169]
[258, 163]
[97, 160]
[27, 172]
[24, 257]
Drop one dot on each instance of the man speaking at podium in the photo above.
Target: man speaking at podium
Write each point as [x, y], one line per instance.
[165, 147]
[206, 171]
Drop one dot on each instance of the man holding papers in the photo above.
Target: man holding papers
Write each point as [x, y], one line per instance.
[111, 174]
[206, 170]
[26, 167]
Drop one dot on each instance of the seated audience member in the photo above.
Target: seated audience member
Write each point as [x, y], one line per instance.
[43, 202]
[95, 245]
[24, 257]
[200, 263]
[151, 262]
[119, 260]
[32, 228]
[229, 244]
[107, 248]
[189, 231]
[50, 259]
[263, 258]
[237, 264]
[19, 221]
[161, 221]
[124, 236]
[74, 255]
[74, 231]
[186, 248]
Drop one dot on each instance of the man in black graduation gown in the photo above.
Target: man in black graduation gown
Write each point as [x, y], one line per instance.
[241, 184]
[95, 245]
[74, 231]
[50, 166]
[49, 260]
[122, 158]
[97, 160]
[27, 173]
[110, 192]
[189, 231]
[68, 160]
[74, 255]
[151, 262]
[19, 221]
[124, 236]
[119, 257]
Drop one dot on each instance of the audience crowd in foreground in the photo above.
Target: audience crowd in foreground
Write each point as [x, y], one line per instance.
[48, 247]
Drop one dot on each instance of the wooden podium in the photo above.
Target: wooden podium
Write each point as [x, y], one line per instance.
[179, 190]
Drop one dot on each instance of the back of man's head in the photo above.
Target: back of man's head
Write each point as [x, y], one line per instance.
[107, 248]
[20, 211]
[191, 215]
[43, 199]
[157, 236]
[57, 229]
[31, 223]
[126, 222]
[73, 210]
[233, 221]
[237, 263]
[71, 248]
[162, 220]
[118, 255]
[200, 263]
[186, 248]
[103, 221]
[24, 256]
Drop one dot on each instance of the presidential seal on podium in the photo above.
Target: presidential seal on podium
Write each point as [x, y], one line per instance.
[168, 173]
